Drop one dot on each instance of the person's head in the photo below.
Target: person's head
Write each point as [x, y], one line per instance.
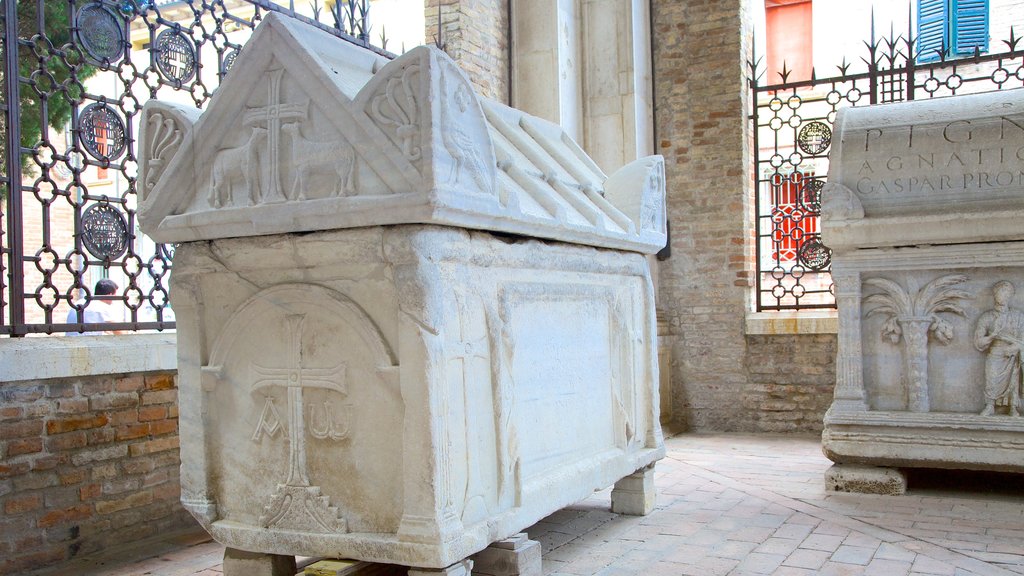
[1003, 291]
[105, 287]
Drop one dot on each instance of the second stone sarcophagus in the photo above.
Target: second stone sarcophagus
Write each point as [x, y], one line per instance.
[923, 209]
[411, 321]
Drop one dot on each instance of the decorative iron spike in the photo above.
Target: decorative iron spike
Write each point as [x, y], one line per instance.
[814, 75]
[316, 9]
[439, 40]
[844, 66]
[383, 38]
[785, 72]
[872, 23]
[1012, 42]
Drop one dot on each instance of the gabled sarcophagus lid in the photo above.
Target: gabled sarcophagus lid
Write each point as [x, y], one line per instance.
[308, 132]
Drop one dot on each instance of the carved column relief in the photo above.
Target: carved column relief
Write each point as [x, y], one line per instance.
[849, 395]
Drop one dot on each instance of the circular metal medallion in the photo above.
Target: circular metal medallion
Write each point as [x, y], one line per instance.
[229, 60]
[101, 32]
[104, 231]
[810, 195]
[815, 255]
[102, 131]
[814, 138]
[175, 56]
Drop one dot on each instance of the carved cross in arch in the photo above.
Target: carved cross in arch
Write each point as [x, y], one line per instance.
[273, 115]
[294, 377]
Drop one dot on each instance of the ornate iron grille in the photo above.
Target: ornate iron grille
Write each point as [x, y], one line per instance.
[76, 74]
[792, 133]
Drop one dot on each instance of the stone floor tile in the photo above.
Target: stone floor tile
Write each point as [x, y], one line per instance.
[840, 569]
[686, 554]
[862, 540]
[830, 529]
[783, 546]
[735, 549]
[853, 554]
[928, 565]
[803, 558]
[715, 566]
[760, 563]
[883, 567]
[824, 542]
[792, 571]
[755, 534]
[887, 551]
[794, 531]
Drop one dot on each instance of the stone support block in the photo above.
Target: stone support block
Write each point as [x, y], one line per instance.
[634, 494]
[242, 563]
[865, 479]
[515, 556]
[461, 568]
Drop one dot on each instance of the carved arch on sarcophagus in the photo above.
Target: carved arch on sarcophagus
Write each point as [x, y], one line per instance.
[299, 380]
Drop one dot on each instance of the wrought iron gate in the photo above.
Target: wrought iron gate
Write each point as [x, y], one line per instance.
[792, 122]
[76, 74]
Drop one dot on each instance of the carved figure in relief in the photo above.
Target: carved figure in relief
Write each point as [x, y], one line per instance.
[238, 163]
[310, 156]
[914, 314]
[1000, 332]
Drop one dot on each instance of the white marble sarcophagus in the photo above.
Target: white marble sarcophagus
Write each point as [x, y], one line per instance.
[923, 210]
[411, 321]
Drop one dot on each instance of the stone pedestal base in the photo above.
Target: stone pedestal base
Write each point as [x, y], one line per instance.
[634, 494]
[242, 563]
[515, 556]
[461, 568]
[865, 479]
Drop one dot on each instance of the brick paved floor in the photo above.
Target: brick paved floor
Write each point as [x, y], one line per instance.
[727, 504]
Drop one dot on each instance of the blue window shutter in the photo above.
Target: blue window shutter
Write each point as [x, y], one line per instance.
[970, 26]
[932, 29]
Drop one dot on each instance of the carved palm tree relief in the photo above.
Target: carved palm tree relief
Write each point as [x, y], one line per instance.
[911, 315]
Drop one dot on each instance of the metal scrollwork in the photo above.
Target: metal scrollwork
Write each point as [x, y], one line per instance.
[229, 60]
[814, 138]
[175, 56]
[810, 195]
[104, 231]
[814, 254]
[101, 32]
[102, 131]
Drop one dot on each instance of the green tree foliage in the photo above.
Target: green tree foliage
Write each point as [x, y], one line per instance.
[55, 70]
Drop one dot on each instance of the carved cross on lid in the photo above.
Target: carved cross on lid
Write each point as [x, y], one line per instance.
[273, 115]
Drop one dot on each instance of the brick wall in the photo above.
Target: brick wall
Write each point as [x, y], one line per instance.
[700, 103]
[790, 382]
[722, 379]
[476, 36]
[86, 463]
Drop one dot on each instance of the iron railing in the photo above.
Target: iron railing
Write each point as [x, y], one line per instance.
[76, 74]
[792, 123]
